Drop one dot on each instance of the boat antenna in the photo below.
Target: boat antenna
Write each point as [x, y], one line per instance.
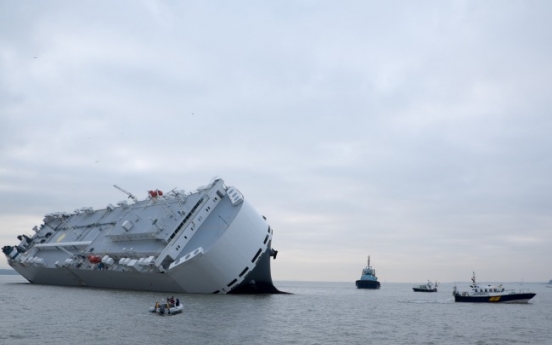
[127, 193]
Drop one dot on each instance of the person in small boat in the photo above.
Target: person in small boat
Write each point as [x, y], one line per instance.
[157, 305]
[177, 303]
[171, 301]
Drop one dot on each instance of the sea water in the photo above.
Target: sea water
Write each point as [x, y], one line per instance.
[314, 313]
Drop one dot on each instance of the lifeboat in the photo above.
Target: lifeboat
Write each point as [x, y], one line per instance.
[94, 259]
[155, 193]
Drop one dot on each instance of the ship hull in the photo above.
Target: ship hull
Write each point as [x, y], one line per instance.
[424, 290]
[507, 298]
[139, 281]
[100, 279]
[367, 284]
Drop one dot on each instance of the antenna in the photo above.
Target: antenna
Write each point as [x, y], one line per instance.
[127, 193]
[154, 222]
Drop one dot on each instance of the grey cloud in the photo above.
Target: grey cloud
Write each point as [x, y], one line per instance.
[415, 132]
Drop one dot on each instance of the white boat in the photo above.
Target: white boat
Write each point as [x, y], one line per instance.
[428, 287]
[491, 294]
[210, 240]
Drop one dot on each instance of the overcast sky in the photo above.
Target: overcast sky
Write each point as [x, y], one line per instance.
[415, 132]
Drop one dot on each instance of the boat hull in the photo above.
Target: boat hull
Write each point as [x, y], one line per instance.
[424, 290]
[367, 284]
[162, 310]
[507, 298]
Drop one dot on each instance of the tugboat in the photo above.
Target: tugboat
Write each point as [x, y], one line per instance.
[368, 279]
[429, 287]
[491, 294]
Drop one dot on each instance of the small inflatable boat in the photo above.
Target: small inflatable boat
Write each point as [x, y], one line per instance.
[168, 309]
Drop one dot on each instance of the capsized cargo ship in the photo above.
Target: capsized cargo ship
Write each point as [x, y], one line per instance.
[207, 241]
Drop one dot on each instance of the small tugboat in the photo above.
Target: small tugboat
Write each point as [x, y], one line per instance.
[368, 279]
[491, 294]
[169, 306]
[429, 287]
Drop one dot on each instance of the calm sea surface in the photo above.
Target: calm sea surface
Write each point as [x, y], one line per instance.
[316, 313]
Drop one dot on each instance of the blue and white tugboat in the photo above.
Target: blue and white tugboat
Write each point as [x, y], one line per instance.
[491, 294]
[429, 287]
[368, 279]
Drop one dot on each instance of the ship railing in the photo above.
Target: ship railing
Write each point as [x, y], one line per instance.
[514, 291]
[63, 244]
[479, 293]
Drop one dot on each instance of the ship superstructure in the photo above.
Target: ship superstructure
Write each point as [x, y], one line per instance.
[208, 241]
